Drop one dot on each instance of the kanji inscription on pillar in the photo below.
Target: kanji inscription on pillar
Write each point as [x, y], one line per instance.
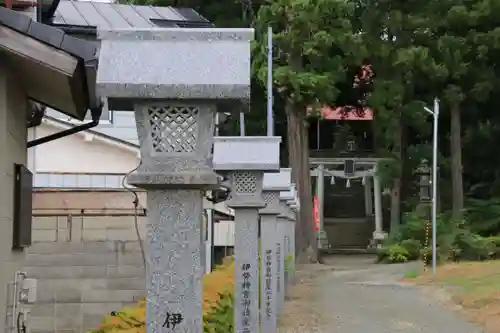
[268, 283]
[246, 301]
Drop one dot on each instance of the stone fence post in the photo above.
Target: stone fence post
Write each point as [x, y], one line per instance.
[274, 183]
[245, 159]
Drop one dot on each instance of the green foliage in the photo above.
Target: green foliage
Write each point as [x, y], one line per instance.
[413, 247]
[220, 318]
[394, 253]
[412, 274]
[474, 247]
[495, 240]
[314, 45]
[484, 216]
[455, 241]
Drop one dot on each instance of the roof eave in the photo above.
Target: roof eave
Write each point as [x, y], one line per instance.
[81, 81]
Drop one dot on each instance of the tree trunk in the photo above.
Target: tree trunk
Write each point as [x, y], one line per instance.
[298, 150]
[291, 125]
[456, 163]
[396, 187]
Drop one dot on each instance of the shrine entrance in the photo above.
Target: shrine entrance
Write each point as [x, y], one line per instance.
[343, 160]
[349, 202]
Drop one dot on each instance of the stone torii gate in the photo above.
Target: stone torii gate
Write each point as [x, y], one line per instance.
[354, 168]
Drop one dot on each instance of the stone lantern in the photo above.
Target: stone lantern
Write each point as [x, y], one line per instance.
[245, 159]
[172, 79]
[424, 174]
[273, 184]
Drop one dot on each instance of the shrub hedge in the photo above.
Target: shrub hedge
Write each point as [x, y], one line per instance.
[218, 289]
[455, 241]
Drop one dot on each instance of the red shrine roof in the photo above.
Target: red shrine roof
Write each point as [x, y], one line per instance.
[337, 113]
[348, 112]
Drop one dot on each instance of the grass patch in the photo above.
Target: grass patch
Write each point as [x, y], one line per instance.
[413, 274]
[475, 286]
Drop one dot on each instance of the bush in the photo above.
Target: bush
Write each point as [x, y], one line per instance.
[393, 254]
[220, 281]
[218, 289]
[484, 216]
[413, 247]
[495, 240]
[474, 247]
[443, 255]
[220, 317]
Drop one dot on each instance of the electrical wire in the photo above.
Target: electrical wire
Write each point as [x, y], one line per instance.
[136, 208]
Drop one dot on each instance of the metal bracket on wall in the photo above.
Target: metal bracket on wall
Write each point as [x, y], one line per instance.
[96, 115]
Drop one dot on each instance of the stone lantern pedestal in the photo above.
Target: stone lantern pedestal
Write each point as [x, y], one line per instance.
[245, 159]
[274, 183]
[173, 82]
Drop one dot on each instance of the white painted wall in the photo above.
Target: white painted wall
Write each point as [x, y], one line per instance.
[224, 233]
[93, 156]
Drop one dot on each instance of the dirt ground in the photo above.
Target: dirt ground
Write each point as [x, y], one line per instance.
[301, 311]
[473, 286]
[352, 294]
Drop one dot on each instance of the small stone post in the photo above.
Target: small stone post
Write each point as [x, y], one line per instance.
[273, 184]
[173, 81]
[246, 159]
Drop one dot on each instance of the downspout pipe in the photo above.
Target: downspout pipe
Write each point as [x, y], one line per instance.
[96, 115]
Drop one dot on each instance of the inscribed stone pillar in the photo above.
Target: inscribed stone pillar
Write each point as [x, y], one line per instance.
[295, 207]
[246, 159]
[290, 227]
[268, 235]
[273, 184]
[283, 222]
[156, 74]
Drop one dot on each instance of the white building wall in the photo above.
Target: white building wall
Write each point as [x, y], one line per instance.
[224, 233]
[93, 156]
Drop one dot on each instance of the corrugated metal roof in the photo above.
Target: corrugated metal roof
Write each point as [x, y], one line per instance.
[108, 15]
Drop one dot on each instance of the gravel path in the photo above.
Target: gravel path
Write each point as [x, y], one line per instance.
[360, 297]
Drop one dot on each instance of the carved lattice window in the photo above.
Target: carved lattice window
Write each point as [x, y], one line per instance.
[270, 197]
[173, 128]
[245, 182]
